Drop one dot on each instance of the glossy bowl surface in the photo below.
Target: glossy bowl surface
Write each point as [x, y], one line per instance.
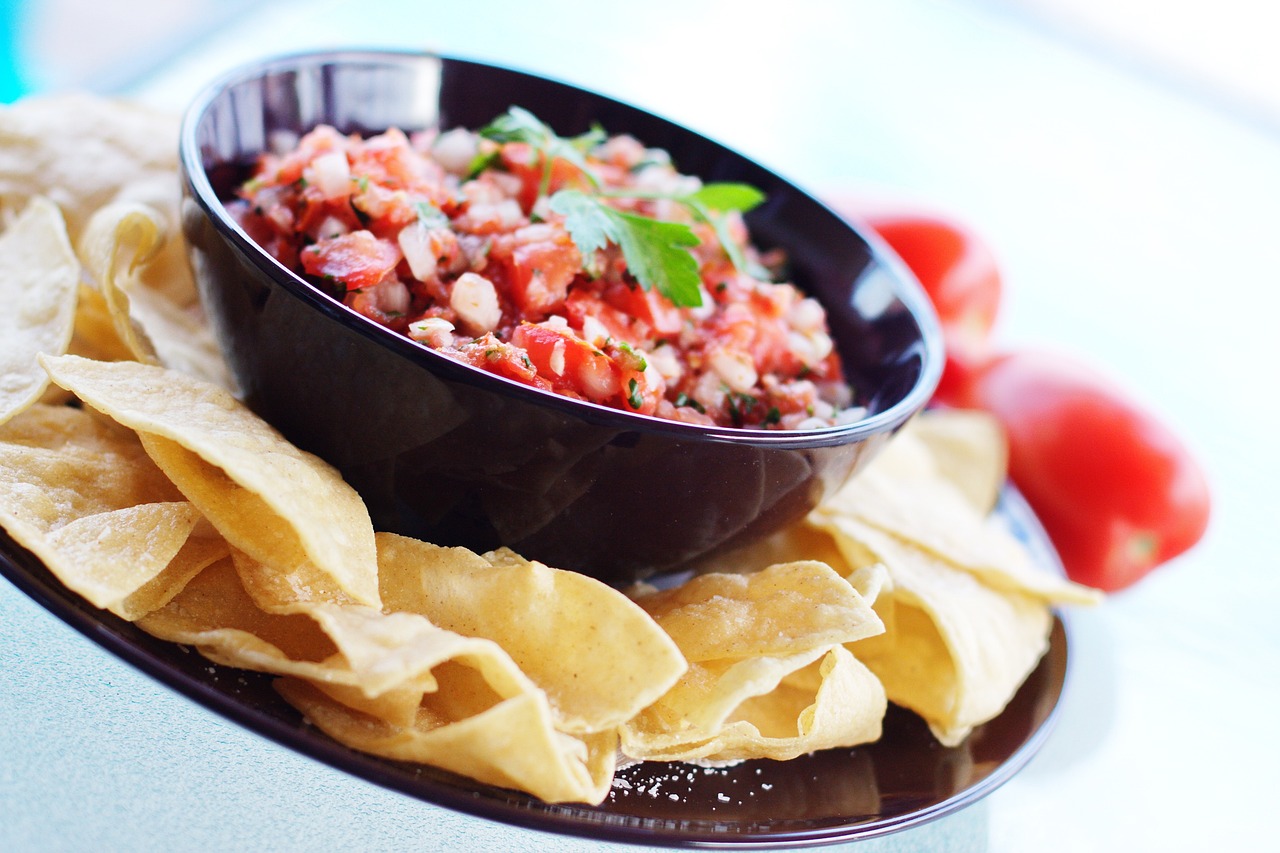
[459, 456]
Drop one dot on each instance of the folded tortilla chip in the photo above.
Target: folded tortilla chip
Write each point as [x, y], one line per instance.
[39, 279]
[768, 676]
[80, 494]
[598, 655]
[281, 505]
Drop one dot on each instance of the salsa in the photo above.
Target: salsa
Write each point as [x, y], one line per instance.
[589, 267]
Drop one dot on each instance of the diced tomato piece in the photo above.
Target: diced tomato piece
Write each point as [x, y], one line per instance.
[582, 304]
[357, 259]
[541, 263]
[519, 159]
[648, 306]
[559, 355]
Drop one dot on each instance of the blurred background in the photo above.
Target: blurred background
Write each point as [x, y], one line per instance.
[1222, 51]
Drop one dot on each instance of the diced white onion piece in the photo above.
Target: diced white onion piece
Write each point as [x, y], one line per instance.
[706, 308]
[557, 358]
[455, 149]
[433, 331]
[393, 297]
[598, 380]
[593, 331]
[331, 227]
[664, 360]
[476, 302]
[735, 369]
[822, 344]
[709, 390]
[331, 174]
[415, 242]
[806, 315]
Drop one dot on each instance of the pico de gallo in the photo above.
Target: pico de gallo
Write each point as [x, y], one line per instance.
[589, 267]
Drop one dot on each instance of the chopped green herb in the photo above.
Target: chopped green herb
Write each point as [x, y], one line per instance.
[683, 399]
[634, 360]
[520, 125]
[633, 396]
[430, 216]
[483, 160]
[773, 416]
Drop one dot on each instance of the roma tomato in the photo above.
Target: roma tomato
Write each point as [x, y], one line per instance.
[958, 271]
[1117, 491]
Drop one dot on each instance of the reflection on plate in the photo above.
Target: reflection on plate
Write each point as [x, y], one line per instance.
[903, 780]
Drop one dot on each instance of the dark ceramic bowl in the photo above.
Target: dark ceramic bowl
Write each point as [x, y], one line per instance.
[458, 456]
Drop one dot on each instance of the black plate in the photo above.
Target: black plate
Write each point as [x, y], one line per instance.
[903, 780]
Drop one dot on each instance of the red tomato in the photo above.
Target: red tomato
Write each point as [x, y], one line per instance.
[1117, 492]
[358, 259]
[957, 270]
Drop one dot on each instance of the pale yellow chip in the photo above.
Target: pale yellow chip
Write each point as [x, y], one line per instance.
[969, 450]
[393, 684]
[123, 550]
[284, 507]
[957, 649]
[348, 645]
[767, 666]
[86, 152]
[778, 708]
[202, 549]
[598, 656]
[120, 244]
[511, 744]
[781, 610]
[95, 334]
[39, 276]
[902, 492]
[81, 495]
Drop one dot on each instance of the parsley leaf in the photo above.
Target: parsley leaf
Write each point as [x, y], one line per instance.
[726, 196]
[586, 219]
[656, 252]
[710, 204]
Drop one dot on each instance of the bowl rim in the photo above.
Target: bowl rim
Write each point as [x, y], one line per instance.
[907, 288]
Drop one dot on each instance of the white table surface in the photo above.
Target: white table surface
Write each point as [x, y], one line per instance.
[1136, 227]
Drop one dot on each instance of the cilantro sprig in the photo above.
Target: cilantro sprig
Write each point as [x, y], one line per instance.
[656, 251]
[519, 125]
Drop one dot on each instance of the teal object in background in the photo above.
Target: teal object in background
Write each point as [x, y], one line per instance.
[12, 85]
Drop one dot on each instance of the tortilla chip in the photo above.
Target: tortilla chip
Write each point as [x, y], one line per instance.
[969, 450]
[85, 152]
[39, 276]
[83, 497]
[510, 744]
[282, 506]
[781, 610]
[768, 676]
[119, 245]
[599, 657]
[958, 649]
[901, 492]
